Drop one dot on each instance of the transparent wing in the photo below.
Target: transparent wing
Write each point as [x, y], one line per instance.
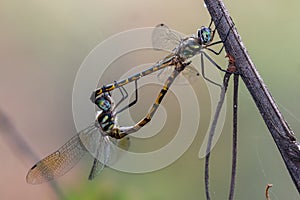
[100, 147]
[124, 143]
[187, 76]
[107, 154]
[164, 38]
[102, 156]
[95, 143]
[96, 169]
[59, 162]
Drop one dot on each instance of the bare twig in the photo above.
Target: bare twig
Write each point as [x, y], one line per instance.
[212, 132]
[267, 191]
[20, 147]
[283, 136]
[234, 136]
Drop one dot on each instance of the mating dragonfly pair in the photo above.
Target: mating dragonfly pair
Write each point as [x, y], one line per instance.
[105, 134]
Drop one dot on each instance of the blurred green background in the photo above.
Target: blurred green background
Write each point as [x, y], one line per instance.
[43, 44]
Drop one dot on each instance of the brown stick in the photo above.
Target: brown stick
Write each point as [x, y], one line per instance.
[283, 136]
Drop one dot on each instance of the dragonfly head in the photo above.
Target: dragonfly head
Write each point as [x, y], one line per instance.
[104, 102]
[205, 35]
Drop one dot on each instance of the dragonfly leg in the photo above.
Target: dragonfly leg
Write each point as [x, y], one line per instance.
[203, 72]
[213, 51]
[210, 23]
[124, 95]
[131, 103]
[218, 42]
[228, 70]
[216, 25]
[213, 62]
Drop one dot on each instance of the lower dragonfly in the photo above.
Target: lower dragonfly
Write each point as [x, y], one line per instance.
[105, 130]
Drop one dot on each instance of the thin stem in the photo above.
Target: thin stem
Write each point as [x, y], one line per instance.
[20, 147]
[234, 136]
[212, 132]
[267, 191]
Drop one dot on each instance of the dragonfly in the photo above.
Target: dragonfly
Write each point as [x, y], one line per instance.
[180, 57]
[101, 138]
[183, 51]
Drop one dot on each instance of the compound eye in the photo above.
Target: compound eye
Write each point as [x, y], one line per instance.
[103, 104]
[205, 35]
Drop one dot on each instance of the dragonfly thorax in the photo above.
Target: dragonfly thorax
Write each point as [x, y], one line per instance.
[205, 35]
[106, 121]
[188, 48]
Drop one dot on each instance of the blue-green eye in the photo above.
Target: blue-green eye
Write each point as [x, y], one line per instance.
[204, 34]
[103, 104]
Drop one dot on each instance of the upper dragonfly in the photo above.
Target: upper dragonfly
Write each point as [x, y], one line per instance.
[164, 38]
[182, 51]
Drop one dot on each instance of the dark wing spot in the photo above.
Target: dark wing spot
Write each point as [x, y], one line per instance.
[34, 166]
